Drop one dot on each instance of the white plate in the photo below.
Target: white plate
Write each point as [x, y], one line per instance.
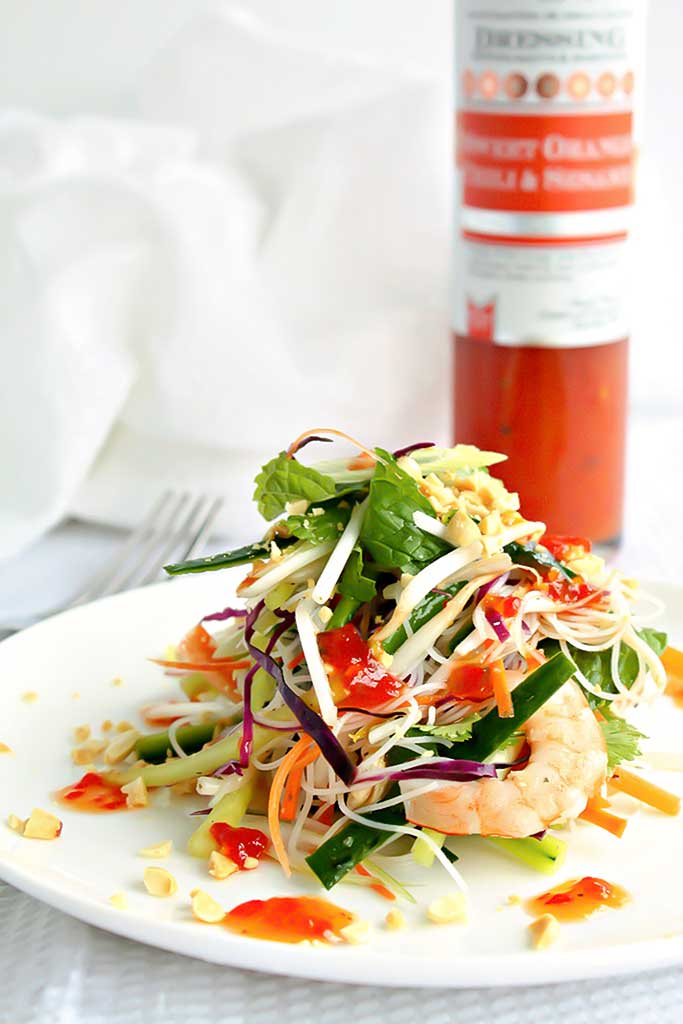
[82, 651]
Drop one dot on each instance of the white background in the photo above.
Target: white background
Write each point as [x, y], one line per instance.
[87, 56]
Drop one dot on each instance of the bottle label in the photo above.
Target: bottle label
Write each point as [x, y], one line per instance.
[545, 160]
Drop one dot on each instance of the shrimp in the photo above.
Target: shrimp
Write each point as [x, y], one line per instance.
[567, 765]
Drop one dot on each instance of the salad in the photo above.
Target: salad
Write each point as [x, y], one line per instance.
[410, 660]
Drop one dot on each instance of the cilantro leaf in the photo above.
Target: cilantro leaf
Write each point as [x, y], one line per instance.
[318, 529]
[454, 733]
[353, 583]
[282, 480]
[389, 534]
[622, 741]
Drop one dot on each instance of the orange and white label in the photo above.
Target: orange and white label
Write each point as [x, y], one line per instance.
[545, 159]
[545, 163]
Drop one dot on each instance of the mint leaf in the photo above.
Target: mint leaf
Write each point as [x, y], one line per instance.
[455, 733]
[282, 480]
[622, 740]
[318, 529]
[353, 583]
[389, 534]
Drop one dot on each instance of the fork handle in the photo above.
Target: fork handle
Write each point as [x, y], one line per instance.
[4, 633]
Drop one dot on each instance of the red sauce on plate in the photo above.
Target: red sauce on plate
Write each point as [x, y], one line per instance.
[93, 794]
[356, 676]
[578, 899]
[473, 682]
[239, 843]
[288, 919]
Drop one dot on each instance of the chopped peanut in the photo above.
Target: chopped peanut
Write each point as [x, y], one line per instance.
[117, 682]
[513, 900]
[250, 863]
[136, 793]
[4, 749]
[296, 508]
[82, 733]
[449, 909]
[544, 931]
[29, 696]
[159, 851]
[16, 824]
[205, 908]
[42, 825]
[75, 695]
[325, 614]
[88, 751]
[185, 788]
[356, 933]
[220, 866]
[159, 882]
[121, 746]
[118, 900]
[107, 725]
[395, 920]
[124, 726]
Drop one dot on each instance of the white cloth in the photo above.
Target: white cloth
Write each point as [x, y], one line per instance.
[262, 249]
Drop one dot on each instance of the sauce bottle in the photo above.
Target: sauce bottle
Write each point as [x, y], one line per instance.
[544, 192]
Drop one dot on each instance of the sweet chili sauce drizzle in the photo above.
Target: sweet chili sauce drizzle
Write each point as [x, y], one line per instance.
[356, 676]
[239, 844]
[93, 794]
[289, 919]
[578, 898]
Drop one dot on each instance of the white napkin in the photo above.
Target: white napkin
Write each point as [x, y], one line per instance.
[260, 247]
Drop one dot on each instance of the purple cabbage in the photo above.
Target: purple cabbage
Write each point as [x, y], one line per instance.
[310, 721]
[247, 740]
[227, 613]
[229, 768]
[291, 452]
[495, 620]
[486, 587]
[413, 448]
[443, 770]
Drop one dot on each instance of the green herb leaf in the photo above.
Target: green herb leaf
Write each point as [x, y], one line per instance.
[596, 666]
[389, 533]
[283, 480]
[535, 557]
[455, 733]
[353, 583]
[622, 741]
[319, 529]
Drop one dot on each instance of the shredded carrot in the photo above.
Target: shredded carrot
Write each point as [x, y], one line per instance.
[672, 660]
[501, 691]
[596, 815]
[647, 792]
[362, 461]
[214, 665]
[296, 660]
[377, 887]
[279, 778]
[290, 796]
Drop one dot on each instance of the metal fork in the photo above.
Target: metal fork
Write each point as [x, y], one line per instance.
[176, 525]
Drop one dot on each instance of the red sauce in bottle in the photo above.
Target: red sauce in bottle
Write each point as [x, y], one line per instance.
[93, 794]
[559, 414]
[288, 919]
[356, 676]
[240, 843]
[578, 899]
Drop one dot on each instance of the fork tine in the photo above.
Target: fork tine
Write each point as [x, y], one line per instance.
[147, 555]
[99, 581]
[202, 532]
[187, 529]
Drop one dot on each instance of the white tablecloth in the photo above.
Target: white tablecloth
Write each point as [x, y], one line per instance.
[57, 970]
